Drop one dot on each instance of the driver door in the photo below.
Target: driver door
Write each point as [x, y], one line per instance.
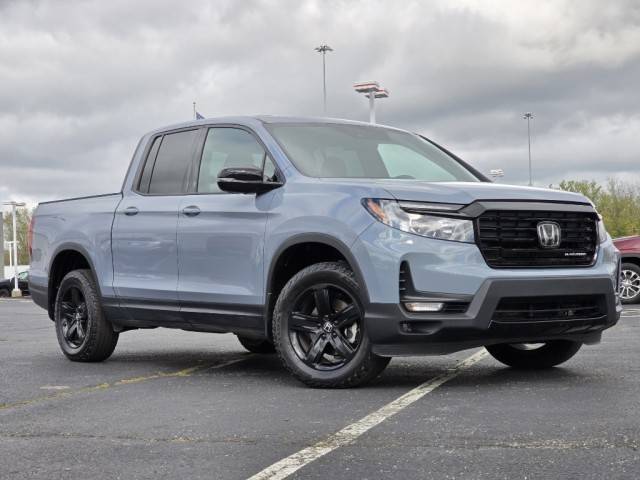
[221, 237]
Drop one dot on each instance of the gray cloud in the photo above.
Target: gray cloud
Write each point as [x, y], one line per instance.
[83, 80]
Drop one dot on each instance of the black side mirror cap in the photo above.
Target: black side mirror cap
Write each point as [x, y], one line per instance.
[244, 180]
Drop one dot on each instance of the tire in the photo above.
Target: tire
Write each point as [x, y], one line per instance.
[256, 346]
[92, 339]
[319, 354]
[547, 355]
[4, 293]
[630, 283]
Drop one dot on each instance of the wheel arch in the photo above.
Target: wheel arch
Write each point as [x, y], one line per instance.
[67, 257]
[328, 248]
[630, 258]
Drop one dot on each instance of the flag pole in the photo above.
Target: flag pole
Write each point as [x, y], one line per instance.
[194, 110]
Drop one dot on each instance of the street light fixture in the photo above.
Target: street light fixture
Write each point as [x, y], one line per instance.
[16, 291]
[496, 173]
[371, 90]
[323, 49]
[528, 116]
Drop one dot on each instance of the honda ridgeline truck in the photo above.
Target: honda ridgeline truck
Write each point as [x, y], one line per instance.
[337, 244]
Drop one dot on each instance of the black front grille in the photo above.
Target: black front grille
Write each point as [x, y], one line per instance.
[509, 238]
[549, 309]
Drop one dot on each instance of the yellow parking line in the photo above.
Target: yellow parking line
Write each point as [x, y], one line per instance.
[186, 372]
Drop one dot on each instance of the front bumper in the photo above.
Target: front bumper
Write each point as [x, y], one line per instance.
[395, 332]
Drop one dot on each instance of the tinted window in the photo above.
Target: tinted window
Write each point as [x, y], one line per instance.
[355, 151]
[172, 163]
[143, 186]
[229, 148]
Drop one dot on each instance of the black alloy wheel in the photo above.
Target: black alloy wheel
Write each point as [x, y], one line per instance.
[319, 328]
[84, 334]
[325, 327]
[74, 317]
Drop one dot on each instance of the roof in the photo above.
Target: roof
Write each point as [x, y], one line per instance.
[253, 120]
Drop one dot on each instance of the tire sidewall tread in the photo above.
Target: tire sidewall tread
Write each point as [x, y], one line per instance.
[364, 366]
[256, 345]
[102, 339]
[549, 355]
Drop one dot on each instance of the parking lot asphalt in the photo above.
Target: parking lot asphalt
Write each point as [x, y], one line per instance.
[174, 404]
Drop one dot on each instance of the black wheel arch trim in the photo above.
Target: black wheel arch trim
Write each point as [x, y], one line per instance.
[68, 246]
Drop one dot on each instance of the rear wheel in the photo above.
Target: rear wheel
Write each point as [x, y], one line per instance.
[630, 283]
[256, 346]
[84, 334]
[4, 293]
[534, 355]
[319, 329]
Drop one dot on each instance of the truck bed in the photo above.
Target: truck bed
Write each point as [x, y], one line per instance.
[83, 224]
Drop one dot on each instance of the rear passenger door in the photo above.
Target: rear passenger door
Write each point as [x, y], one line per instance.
[145, 253]
[221, 236]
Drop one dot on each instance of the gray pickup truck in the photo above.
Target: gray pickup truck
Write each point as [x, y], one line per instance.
[336, 244]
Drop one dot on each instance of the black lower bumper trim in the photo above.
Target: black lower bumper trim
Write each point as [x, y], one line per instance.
[396, 332]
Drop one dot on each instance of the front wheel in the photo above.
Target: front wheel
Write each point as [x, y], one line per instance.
[319, 330]
[534, 355]
[84, 334]
[4, 293]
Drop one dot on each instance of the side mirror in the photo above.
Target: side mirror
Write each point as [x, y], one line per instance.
[244, 180]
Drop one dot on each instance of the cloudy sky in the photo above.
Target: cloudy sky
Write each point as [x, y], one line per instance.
[81, 81]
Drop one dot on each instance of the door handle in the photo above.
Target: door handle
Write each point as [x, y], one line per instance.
[191, 211]
[131, 211]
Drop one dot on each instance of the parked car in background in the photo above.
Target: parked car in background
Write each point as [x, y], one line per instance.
[8, 284]
[630, 276]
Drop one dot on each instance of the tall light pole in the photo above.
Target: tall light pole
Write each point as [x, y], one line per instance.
[371, 90]
[323, 49]
[10, 248]
[528, 116]
[16, 291]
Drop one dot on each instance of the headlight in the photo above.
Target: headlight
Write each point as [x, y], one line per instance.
[602, 232]
[390, 213]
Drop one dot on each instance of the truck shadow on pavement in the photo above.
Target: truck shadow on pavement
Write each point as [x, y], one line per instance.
[401, 372]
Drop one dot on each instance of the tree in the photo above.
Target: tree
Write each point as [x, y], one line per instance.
[618, 202]
[23, 218]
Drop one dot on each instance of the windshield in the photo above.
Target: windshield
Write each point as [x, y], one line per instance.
[355, 151]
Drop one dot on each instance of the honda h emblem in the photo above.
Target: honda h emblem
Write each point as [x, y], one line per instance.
[549, 234]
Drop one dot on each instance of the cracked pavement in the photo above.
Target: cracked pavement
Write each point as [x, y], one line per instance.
[174, 404]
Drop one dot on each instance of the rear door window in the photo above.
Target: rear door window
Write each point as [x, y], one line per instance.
[171, 165]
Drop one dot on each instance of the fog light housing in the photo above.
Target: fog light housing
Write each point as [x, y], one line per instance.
[424, 306]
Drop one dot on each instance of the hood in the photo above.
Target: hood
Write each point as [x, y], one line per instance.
[468, 192]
